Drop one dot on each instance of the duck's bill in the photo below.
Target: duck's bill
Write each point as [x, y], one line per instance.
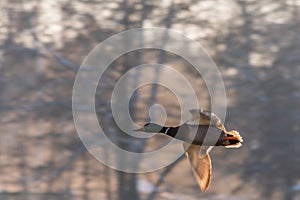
[140, 129]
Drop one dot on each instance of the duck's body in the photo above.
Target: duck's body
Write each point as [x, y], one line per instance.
[201, 135]
[205, 129]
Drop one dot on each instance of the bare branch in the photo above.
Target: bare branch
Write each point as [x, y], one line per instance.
[163, 176]
[65, 62]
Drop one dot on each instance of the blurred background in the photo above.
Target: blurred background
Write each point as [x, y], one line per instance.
[255, 44]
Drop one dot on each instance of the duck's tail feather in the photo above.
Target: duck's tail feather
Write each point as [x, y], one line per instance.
[233, 139]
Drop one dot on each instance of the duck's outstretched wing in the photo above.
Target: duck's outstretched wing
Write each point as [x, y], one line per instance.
[201, 165]
[204, 117]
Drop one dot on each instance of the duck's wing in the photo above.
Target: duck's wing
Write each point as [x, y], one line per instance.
[201, 165]
[204, 117]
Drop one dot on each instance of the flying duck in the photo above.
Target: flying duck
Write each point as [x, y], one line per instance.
[202, 132]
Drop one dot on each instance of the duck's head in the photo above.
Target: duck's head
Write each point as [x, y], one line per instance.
[150, 128]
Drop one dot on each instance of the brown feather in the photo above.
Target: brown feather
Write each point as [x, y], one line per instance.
[204, 117]
[201, 166]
